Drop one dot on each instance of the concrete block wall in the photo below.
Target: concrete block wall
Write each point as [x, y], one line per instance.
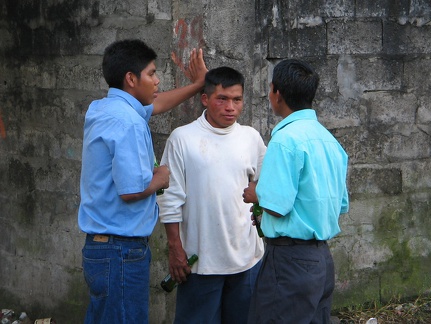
[374, 58]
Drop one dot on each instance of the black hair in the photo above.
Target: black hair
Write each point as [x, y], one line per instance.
[223, 75]
[297, 82]
[130, 55]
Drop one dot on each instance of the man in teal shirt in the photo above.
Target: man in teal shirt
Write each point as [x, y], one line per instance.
[302, 190]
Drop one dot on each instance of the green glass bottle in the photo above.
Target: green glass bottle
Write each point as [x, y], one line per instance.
[257, 214]
[168, 284]
[161, 190]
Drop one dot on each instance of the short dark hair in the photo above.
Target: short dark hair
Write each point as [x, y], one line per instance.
[297, 82]
[130, 55]
[224, 75]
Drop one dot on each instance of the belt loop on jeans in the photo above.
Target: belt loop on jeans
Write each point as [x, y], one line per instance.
[288, 241]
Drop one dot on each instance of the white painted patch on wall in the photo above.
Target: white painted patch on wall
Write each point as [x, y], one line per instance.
[275, 16]
[311, 21]
[346, 78]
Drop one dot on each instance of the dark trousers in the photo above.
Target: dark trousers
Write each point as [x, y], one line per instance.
[215, 299]
[294, 285]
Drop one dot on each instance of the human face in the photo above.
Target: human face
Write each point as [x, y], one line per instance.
[224, 105]
[146, 87]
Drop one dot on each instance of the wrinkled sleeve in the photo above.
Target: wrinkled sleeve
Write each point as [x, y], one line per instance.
[131, 162]
[275, 172]
[345, 202]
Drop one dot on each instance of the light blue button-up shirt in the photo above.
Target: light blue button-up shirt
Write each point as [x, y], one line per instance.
[303, 178]
[117, 159]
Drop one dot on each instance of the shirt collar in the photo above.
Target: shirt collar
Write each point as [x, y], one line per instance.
[219, 131]
[132, 101]
[296, 115]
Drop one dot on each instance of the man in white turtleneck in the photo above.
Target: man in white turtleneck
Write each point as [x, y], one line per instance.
[211, 160]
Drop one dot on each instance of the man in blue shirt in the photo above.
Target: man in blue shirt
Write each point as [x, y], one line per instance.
[302, 190]
[118, 209]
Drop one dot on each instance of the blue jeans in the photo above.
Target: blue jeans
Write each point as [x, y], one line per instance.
[117, 273]
[215, 299]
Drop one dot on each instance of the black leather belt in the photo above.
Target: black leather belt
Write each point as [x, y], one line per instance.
[285, 240]
[104, 238]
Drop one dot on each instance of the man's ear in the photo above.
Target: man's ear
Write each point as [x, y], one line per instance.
[129, 80]
[204, 99]
[279, 97]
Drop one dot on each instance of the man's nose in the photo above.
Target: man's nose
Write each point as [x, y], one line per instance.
[229, 104]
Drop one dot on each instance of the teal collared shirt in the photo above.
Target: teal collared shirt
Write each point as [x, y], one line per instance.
[303, 178]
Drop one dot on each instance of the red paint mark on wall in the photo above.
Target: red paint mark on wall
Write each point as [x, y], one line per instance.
[188, 35]
[181, 30]
[178, 62]
[2, 129]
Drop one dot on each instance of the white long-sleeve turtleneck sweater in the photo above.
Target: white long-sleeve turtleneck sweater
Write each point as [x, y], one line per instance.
[210, 167]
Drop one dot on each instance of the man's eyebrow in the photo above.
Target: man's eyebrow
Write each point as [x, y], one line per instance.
[226, 96]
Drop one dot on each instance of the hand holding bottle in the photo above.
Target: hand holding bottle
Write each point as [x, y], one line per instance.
[168, 283]
[161, 190]
[161, 176]
[178, 265]
[249, 194]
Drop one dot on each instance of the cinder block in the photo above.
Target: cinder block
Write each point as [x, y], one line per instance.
[416, 175]
[382, 8]
[405, 143]
[308, 41]
[354, 37]
[323, 8]
[363, 145]
[417, 76]
[377, 74]
[124, 8]
[390, 108]
[78, 72]
[151, 34]
[406, 38]
[374, 181]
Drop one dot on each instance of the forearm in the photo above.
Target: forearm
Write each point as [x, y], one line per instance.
[160, 180]
[178, 267]
[172, 98]
[272, 213]
[173, 235]
[140, 195]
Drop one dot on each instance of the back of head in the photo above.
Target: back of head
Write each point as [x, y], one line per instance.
[124, 56]
[224, 76]
[297, 83]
